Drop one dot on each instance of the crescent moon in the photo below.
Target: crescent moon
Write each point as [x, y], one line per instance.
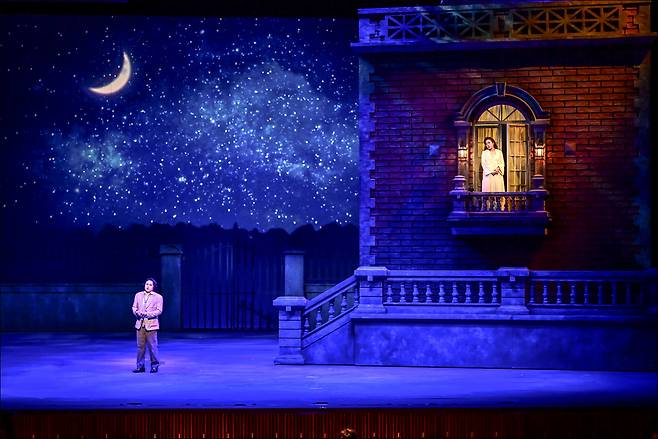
[117, 83]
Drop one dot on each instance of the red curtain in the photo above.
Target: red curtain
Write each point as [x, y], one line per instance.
[308, 424]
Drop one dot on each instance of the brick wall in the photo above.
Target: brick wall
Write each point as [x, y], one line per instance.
[591, 188]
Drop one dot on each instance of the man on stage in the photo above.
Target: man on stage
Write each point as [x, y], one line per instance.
[147, 306]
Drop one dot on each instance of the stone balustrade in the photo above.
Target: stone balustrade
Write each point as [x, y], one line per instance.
[592, 289]
[498, 202]
[376, 294]
[330, 305]
[443, 288]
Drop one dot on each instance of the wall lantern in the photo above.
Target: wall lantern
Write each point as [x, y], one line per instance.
[539, 150]
[462, 152]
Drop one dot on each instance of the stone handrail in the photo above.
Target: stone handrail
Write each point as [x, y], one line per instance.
[442, 287]
[618, 289]
[604, 291]
[326, 307]
[375, 292]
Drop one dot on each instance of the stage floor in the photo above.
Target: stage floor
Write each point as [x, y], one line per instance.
[236, 370]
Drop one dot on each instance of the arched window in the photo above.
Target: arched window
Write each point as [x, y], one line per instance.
[516, 121]
[509, 127]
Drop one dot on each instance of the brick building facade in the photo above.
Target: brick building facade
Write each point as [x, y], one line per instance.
[595, 94]
[551, 272]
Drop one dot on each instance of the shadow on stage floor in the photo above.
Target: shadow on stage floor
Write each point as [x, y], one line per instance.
[225, 385]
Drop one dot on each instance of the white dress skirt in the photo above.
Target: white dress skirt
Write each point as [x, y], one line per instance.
[492, 159]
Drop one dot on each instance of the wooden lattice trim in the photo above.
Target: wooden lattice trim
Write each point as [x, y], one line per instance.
[551, 21]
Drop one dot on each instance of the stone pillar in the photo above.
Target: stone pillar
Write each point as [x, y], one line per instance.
[539, 133]
[537, 194]
[290, 309]
[513, 282]
[459, 194]
[371, 289]
[294, 273]
[170, 285]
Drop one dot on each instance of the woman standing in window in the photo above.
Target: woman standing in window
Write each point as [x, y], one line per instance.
[493, 166]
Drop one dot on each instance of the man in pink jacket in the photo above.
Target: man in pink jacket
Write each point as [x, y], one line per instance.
[147, 306]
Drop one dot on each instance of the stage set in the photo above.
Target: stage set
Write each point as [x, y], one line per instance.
[419, 221]
[226, 385]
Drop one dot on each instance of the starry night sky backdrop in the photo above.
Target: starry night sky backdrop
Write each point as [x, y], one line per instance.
[236, 120]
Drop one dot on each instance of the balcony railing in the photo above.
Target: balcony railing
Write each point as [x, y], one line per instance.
[502, 22]
[498, 202]
[499, 213]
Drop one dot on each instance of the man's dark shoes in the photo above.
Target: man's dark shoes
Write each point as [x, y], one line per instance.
[154, 369]
[139, 370]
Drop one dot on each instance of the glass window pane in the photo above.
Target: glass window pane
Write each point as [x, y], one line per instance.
[478, 146]
[517, 163]
[507, 125]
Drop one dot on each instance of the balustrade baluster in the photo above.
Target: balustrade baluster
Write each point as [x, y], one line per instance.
[532, 293]
[572, 295]
[600, 293]
[428, 294]
[403, 294]
[332, 310]
[480, 292]
[414, 294]
[307, 324]
[356, 297]
[343, 303]
[628, 293]
[586, 293]
[455, 293]
[318, 318]
[389, 294]
[613, 298]
[494, 293]
[558, 300]
[468, 293]
[544, 295]
[442, 293]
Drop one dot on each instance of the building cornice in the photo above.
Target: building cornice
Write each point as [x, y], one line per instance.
[482, 26]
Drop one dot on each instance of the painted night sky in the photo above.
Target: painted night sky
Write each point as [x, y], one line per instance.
[237, 120]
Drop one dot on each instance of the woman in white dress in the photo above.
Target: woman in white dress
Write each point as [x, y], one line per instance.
[493, 166]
